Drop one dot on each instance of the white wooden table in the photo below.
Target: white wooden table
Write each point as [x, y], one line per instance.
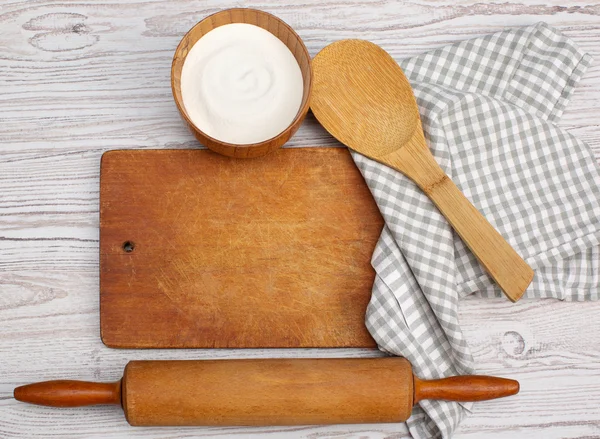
[78, 78]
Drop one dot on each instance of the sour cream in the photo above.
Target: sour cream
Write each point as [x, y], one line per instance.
[240, 84]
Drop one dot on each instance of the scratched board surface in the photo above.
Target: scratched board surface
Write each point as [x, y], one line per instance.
[200, 250]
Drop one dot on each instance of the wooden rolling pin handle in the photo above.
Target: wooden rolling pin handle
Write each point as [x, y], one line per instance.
[465, 388]
[69, 393]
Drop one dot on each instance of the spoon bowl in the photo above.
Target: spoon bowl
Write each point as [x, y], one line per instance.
[371, 112]
[361, 96]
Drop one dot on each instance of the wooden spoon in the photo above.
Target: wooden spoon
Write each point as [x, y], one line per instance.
[361, 96]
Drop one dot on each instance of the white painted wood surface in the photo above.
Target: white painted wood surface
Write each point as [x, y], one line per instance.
[79, 78]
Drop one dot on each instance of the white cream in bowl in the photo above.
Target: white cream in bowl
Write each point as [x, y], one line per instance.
[240, 84]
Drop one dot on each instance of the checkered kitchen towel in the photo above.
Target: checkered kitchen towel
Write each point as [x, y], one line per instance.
[488, 108]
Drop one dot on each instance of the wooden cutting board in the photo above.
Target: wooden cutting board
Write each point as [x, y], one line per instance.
[198, 250]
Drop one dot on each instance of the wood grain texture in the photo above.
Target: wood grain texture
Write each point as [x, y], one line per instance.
[363, 99]
[199, 250]
[278, 28]
[267, 391]
[80, 78]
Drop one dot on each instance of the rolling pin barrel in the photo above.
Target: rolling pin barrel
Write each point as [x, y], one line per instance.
[266, 391]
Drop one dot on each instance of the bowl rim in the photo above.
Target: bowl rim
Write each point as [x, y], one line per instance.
[302, 111]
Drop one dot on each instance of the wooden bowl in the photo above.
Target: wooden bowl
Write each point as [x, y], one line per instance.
[278, 28]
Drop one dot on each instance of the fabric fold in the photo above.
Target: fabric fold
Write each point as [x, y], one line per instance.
[488, 108]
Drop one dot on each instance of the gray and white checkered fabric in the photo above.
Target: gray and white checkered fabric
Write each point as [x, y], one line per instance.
[488, 108]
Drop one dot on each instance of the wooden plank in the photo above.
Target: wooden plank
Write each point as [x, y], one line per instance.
[200, 250]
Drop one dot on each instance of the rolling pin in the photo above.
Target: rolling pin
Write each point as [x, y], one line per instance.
[266, 391]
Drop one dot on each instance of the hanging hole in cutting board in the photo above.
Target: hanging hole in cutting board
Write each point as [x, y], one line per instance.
[128, 246]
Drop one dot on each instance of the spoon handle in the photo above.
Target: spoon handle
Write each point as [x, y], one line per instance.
[511, 273]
